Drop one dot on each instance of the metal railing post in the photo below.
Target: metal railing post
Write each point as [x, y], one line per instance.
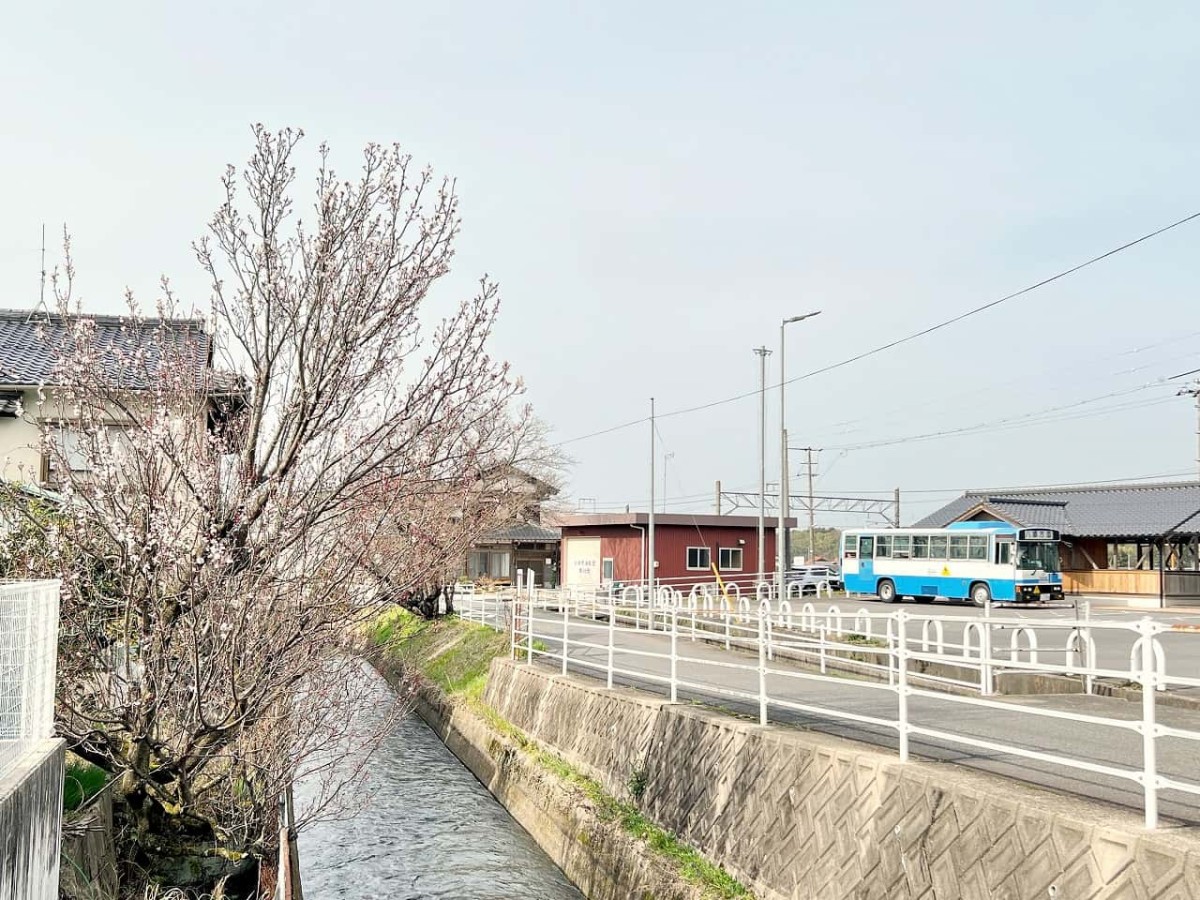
[529, 632]
[987, 685]
[674, 655]
[727, 628]
[1149, 728]
[566, 611]
[612, 626]
[821, 646]
[1089, 659]
[902, 665]
[762, 671]
[513, 632]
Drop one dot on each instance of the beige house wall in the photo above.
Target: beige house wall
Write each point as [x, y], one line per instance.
[20, 458]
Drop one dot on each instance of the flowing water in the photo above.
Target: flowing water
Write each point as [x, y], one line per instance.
[428, 829]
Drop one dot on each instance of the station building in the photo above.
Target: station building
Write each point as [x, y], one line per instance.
[1133, 543]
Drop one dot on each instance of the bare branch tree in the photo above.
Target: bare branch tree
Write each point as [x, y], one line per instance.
[243, 493]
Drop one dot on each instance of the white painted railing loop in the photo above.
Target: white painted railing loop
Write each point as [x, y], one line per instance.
[785, 614]
[862, 622]
[808, 617]
[938, 641]
[1014, 645]
[833, 619]
[1136, 661]
[1080, 641]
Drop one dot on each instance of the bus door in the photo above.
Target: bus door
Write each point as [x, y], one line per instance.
[866, 558]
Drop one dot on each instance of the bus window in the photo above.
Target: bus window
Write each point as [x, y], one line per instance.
[937, 546]
[977, 546]
[920, 546]
[1004, 552]
[901, 546]
[883, 546]
[866, 546]
[850, 550]
[958, 546]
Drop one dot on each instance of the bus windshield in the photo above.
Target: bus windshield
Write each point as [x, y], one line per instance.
[1037, 555]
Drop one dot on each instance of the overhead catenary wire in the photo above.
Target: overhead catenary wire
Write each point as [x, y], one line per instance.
[905, 339]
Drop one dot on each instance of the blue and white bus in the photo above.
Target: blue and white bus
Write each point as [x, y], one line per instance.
[977, 561]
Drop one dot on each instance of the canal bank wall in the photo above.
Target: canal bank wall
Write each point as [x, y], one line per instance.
[30, 823]
[807, 816]
[600, 856]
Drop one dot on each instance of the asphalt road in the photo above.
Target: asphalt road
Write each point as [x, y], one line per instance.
[717, 686]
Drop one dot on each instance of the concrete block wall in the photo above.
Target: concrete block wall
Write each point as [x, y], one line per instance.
[800, 815]
[31, 823]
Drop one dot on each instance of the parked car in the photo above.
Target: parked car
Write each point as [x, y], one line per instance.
[808, 577]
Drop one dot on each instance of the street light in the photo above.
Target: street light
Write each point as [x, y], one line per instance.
[784, 483]
[762, 353]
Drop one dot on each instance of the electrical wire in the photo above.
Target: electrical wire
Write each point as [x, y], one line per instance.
[903, 340]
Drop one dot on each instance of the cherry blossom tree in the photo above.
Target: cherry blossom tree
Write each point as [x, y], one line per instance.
[243, 493]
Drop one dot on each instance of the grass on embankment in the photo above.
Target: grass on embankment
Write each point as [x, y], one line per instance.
[81, 782]
[455, 655]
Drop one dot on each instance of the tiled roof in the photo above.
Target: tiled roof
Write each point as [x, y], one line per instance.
[524, 533]
[1119, 510]
[30, 342]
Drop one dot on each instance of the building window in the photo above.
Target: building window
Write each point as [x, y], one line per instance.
[488, 564]
[729, 559]
[606, 570]
[698, 558]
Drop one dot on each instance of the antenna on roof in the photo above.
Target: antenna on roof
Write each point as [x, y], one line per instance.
[42, 293]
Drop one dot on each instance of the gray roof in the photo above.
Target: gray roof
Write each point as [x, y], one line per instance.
[1109, 511]
[31, 343]
[524, 534]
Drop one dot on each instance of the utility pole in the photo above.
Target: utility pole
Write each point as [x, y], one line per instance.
[1193, 390]
[809, 464]
[718, 505]
[896, 514]
[762, 353]
[650, 524]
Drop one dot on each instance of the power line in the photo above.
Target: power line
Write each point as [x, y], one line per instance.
[1037, 417]
[903, 340]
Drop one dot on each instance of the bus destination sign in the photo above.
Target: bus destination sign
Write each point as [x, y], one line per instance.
[1037, 534]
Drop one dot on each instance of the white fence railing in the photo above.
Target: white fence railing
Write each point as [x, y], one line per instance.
[908, 654]
[28, 654]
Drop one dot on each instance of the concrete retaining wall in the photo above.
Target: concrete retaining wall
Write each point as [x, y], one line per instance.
[598, 855]
[30, 819]
[807, 816]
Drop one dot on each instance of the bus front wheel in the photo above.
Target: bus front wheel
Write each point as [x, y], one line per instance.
[980, 594]
[886, 591]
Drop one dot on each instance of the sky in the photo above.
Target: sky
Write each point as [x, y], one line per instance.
[656, 185]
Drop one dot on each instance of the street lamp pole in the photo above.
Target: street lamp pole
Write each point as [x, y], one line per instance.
[762, 353]
[784, 482]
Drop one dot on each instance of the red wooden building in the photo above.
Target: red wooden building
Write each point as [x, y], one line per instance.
[605, 548]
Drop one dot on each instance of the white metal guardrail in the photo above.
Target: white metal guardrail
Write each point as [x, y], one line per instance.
[898, 647]
[28, 656]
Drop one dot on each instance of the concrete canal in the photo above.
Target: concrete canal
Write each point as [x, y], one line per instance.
[427, 830]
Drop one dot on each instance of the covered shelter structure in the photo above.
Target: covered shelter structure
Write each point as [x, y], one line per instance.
[1137, 543]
